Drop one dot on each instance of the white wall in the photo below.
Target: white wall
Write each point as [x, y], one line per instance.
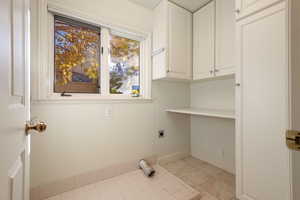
[217, 93]
[213, 139]
[80, 138]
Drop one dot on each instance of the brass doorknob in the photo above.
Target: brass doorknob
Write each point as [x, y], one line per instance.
[39, 127]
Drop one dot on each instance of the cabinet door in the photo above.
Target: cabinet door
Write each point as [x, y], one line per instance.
[225, 37]
[263, 162]
[247, 7]
[204, 42]
[160, 40]
[180, 42]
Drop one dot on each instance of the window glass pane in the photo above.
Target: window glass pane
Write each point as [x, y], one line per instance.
[124, 64]
[77, 57]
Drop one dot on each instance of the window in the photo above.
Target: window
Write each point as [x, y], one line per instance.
[91, 59]
[124, 66]
[77, 57]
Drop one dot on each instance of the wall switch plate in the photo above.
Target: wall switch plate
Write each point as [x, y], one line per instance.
[108, 112]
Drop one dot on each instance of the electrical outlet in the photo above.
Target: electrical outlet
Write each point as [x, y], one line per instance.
[161, 133]
[222, 153]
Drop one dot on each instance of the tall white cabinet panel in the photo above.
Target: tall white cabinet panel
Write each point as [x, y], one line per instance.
[225, 37]
[204, 42]
[180, 42]
[172, 42]
[262, 106]
[247, 7]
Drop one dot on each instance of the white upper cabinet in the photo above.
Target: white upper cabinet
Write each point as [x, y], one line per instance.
[225, 37]
[160, 41]
[204, 42]
[247, 7]
[214, 40]
[172, 42]
[180, 42]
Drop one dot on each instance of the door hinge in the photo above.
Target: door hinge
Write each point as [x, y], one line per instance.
[293, 139]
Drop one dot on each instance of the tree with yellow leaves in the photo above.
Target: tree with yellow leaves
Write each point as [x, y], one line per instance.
[76, 47]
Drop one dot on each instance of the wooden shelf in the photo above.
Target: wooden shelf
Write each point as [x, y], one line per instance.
[227, 114]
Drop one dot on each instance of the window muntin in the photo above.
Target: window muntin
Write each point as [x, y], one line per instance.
[124, 66]
[77, 57]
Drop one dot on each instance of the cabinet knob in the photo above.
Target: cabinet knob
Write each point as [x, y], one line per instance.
[238, 84]
[237, 11]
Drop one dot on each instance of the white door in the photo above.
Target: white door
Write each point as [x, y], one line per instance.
[204, 42]
[225, 37]
[14, 99]
[263, 159]
[246, 7]
[180, 42]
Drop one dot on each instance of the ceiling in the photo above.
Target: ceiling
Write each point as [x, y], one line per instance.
[191, 5]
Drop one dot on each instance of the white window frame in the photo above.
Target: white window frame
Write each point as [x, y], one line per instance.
[45, 89]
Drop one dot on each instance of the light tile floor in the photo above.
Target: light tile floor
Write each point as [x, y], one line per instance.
[212, 183]
[135, 186]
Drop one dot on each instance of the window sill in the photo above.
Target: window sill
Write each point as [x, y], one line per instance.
[88, 100]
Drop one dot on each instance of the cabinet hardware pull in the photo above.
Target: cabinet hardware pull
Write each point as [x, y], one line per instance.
[237, 11]
[237, 84]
